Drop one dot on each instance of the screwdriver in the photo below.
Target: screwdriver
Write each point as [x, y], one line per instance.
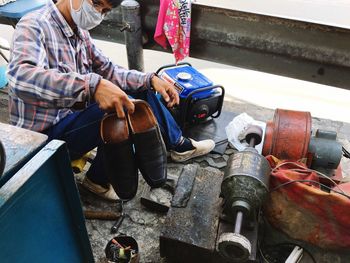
[119, 221]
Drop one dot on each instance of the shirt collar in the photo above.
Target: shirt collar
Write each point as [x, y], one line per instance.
[62, 23]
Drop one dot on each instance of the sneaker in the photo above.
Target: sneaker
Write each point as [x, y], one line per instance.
[105, 193]
[200, 148]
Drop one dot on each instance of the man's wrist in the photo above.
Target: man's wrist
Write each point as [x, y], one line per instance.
[151, 81]
[94, 82]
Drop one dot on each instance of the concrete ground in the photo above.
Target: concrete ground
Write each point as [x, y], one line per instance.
[255, 93]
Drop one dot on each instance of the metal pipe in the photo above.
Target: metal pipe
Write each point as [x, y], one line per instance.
[238, 222]
[133, 33]
[252, 142]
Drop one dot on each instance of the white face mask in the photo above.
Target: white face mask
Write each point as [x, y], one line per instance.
[86, 17]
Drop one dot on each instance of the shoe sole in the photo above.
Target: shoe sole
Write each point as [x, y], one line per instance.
[190, 157]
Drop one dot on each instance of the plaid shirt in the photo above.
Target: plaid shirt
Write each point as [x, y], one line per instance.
[52, 69]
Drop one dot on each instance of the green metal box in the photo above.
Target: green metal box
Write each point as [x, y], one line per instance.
[40, 212]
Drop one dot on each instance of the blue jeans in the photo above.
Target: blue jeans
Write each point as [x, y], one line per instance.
[81, 132]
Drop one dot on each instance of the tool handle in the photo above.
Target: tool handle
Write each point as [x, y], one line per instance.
[117, 224]
[102, 215]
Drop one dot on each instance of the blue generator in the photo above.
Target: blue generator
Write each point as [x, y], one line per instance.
[200, 99]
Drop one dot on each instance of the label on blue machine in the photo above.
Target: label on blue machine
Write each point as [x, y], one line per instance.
[186, 79]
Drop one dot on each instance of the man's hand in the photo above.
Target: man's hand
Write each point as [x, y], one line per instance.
[167, 91]
[111, 97]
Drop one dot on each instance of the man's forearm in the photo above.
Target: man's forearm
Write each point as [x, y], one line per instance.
[50, 88]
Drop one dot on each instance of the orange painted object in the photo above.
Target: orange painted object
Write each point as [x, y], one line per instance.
[287, 137]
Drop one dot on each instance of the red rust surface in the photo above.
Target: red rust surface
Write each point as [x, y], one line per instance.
[287, 137]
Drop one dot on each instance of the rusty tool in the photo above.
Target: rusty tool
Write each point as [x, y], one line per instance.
[101, 215]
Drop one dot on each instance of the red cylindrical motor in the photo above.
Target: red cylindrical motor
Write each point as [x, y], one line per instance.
[288, 136]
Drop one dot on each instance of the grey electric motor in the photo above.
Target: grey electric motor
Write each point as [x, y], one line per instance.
[244, 189]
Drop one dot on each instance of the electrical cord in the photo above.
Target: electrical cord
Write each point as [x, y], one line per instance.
[308, 181]
[346, 153]
[307, 170]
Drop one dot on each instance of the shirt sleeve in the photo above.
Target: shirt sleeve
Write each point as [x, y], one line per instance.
[33, 81]
[128, 80]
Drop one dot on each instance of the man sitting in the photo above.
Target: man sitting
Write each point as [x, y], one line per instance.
[61, 84]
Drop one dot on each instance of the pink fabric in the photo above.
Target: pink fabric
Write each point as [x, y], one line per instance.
[174, 27]
[159, 35]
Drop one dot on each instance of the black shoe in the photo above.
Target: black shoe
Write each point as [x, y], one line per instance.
[119, 157]
[150, 149]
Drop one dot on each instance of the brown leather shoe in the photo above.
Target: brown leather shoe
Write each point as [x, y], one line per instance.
[150, 149]
[119, 158]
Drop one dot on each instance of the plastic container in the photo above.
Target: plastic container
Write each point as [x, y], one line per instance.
[122, 249]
